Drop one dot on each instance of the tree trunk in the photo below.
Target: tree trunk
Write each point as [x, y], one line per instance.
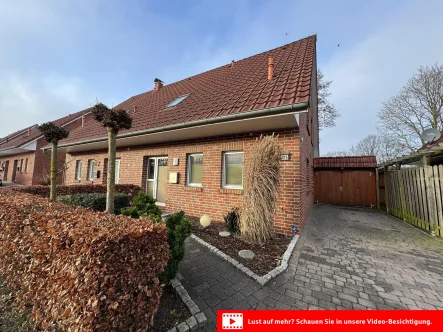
[53, 171]
[110, 180]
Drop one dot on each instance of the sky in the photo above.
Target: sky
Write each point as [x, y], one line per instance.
[59, 57]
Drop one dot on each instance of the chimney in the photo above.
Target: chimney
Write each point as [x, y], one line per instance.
[270, 69]
[29, 131]
[83, 120]
[232, 63]
[158, 84]
[135, 109]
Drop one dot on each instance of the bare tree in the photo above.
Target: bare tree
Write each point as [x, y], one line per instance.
[383, 147]
[53, 134]
[327, 113]
[418, 106]
[114, 121]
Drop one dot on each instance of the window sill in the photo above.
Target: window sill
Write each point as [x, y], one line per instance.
[193, 188]
[231, 191]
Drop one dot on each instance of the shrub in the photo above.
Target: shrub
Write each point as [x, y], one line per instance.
[261, 189]
[96, 201]
[232, 220]
[178, 230]
[80, 270]
[143, 205]
[129, 189]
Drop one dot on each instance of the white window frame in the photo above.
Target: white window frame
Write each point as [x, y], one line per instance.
[78, 169]
[26, 165]
[117, 170]
[91, 166]
[188, 175]
[228, 186]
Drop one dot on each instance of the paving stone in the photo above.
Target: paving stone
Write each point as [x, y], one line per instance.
[351, 272]
[183, 327]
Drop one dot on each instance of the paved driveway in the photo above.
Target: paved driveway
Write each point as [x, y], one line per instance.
[345, 259]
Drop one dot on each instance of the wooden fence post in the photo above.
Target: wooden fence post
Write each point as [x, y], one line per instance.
[385, 170]
[430, 190]
[377, 180]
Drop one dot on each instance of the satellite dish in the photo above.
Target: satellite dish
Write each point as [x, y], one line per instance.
[430, 135]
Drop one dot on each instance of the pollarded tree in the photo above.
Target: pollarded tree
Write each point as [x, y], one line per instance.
[113, 120]
[53, 134]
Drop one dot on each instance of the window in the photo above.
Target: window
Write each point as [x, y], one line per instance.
[26, 165]
[233, 170]
[21, 166]
[177, 101]
[91, 165]
[78, 170]
[195, 169]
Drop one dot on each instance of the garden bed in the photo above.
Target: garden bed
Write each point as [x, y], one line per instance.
[267, 257]
[171, 312]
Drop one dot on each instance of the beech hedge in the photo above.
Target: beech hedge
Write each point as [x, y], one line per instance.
[80, 270]
[129, 189]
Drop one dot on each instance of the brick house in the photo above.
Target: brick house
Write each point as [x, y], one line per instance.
[191, 139]
[21, 158]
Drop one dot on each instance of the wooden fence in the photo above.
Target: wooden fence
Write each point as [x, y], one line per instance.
[416, 196]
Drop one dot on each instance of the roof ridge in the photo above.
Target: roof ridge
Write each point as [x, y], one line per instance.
[228, 64]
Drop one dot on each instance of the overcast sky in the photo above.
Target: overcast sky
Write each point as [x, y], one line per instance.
[59, 57]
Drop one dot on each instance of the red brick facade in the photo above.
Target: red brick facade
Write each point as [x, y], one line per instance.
[211, 198]
[38, 161]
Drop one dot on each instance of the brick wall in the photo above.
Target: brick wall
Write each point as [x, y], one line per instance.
[211, 199]
[38, 161]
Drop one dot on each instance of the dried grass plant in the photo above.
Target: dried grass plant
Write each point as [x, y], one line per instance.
[261, 190]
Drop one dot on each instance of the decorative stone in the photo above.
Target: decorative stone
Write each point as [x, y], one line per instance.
[201, 319]
[205, 221]
[224, 234]
[247, 254]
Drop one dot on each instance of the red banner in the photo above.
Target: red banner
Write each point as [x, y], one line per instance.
[324, 320]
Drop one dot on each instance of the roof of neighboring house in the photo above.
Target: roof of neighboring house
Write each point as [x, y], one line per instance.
[21, 137]
[230, 89]
[437, 142]
[346, 162]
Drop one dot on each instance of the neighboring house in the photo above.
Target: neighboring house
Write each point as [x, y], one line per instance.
[191, 139]
[434, 150]
[23, 161]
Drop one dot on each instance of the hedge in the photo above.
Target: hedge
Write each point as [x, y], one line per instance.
[96, 201]
[129, 189]
[80, 270]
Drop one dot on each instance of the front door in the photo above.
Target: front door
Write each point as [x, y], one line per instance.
[157, 178]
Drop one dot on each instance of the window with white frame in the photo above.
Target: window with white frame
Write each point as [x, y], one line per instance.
[233, 170]
[26, 165]
[21, 166]
[91, 165]
[78, 170]
[195, 169]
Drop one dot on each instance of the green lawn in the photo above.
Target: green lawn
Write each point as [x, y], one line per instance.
[10, 319]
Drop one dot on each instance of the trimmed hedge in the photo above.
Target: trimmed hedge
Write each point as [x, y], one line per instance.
[96, 201]
[129, 189]
[78, 269]
[143, 205]
[179, 229]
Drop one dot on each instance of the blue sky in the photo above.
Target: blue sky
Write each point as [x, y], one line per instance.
[58, 57]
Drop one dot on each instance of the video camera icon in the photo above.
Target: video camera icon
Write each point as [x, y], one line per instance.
[232, 321]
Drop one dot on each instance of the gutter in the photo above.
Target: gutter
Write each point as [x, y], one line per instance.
[292, 108]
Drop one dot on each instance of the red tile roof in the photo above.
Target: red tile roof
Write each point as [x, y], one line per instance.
[21, 137]
[240, 87]
[346, 162]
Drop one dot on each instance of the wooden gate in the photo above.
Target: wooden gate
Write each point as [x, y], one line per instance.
[346, 187]
[416, 195]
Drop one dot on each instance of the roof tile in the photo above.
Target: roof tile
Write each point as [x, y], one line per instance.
[221, 91]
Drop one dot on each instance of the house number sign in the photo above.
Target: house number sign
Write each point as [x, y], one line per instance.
[284, 156]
